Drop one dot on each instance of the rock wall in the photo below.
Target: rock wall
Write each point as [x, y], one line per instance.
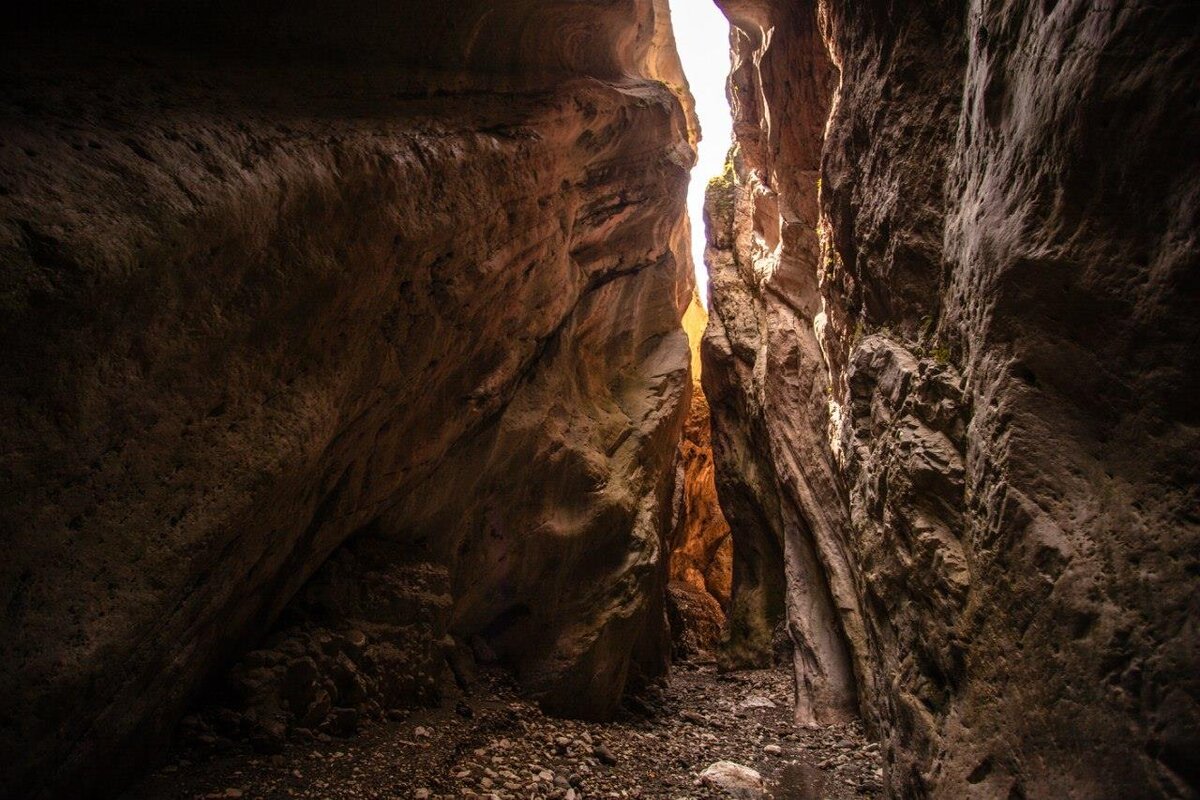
[282, 277]
[703, 549]
[701, 563]
[950, 361]
[763, 372]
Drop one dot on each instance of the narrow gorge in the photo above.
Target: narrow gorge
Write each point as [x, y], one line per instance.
[366, 435]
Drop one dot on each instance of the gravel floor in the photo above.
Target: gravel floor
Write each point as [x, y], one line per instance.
[491, 744]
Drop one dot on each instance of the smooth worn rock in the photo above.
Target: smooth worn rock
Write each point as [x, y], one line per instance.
[279, 278]
[763, 371]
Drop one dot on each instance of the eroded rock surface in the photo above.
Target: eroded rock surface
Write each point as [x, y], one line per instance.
[276, 278]
[701, 563]
[763, 373]
[953, 286]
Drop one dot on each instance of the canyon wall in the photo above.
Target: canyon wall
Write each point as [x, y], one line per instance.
[763, 373]
[701, 564]
[292, 280]
[952, 369]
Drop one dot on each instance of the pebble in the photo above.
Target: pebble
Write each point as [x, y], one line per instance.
[604, 755]
[756, 701]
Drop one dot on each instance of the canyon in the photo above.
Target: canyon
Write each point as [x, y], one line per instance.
[347, 375]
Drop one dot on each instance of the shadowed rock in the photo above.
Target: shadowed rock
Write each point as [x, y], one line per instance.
[948, 367]
[278, 275]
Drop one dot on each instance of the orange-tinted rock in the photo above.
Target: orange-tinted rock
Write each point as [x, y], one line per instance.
[702, 549]
[701, 568]
[697, 620]
[274, 276]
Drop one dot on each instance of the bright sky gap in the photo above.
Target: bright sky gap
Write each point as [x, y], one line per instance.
[702, 36]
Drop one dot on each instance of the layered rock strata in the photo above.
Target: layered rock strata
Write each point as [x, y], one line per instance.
[279, 278]
[953, 280]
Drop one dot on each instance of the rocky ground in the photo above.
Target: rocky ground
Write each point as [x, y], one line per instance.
[490, 744]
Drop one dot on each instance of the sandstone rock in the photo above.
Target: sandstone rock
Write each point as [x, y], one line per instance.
[604, 755]
[697, 623]
[378, 273]
[341, 722]
[763, 371]
[733, 780]
[755, 701]
[701, 545]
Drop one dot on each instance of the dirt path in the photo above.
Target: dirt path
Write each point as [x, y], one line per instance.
[493, 744]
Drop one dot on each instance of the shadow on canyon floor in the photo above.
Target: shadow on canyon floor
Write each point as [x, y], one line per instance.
[490, 744]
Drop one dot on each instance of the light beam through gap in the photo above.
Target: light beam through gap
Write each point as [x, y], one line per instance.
[702, 37]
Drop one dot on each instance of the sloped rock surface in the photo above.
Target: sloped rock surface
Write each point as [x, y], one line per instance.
[963, 351]
[273, 277]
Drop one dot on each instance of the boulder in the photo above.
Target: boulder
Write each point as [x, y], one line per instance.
[734, 780]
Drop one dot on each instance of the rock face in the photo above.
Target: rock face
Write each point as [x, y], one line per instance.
[365, 636]
[701, 563]
[283, 277]
[953, 383]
